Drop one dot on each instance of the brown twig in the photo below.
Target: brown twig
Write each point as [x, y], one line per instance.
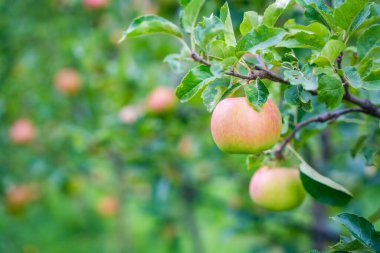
[367, 106]
[321, 118]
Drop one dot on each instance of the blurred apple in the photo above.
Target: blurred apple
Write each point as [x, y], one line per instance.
[185, 146]
[108, 206]
[67, 81]
[161, 99]
[129, 114]
[95, 4]
[22, 131]
[19, 196]
[277, 189]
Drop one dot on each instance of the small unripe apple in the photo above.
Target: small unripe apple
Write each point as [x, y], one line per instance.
[237, 128]
[161, 99]
[95, 4]
[108, 206]
[22, 131]
[277, 189]
[67, 81]
[129, 114]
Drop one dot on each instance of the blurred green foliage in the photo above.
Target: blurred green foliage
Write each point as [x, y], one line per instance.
[176, 191]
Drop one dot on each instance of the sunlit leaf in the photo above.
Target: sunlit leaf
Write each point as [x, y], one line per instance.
[150, 24]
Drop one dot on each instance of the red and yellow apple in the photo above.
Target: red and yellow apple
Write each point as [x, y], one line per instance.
[108, 206]
[237, 128]
[277, 189]
[22, 131]
[95, 4]
[67, 81]
[161, 99]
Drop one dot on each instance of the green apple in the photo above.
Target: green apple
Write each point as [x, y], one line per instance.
[277, 189]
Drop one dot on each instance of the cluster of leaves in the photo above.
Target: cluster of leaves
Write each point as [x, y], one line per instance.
[365, 237]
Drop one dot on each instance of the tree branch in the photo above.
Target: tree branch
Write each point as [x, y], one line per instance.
[367, 106]
[321, 118]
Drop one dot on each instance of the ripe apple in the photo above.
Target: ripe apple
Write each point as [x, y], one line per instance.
[95, 4]
[108, 206]
[161, 99]
[277, 189]
[22, 131]
[67, 81]
[237, 128]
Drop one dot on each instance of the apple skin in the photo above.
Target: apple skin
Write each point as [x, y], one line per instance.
[160, 100]
[238, 129]
[277, 189]
[95, 4]
[22, 131]
[67, 81]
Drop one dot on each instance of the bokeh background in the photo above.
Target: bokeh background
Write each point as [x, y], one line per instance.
[94, 181]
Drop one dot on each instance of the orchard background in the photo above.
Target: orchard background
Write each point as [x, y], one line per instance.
[92, 161]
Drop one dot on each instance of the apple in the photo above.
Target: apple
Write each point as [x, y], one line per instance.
[22, 131]
[237, 128]
[108, 206]
[19, 196]
[67, 81]
[129, 114]
[95, 4]
[161, 99]
[277, 189]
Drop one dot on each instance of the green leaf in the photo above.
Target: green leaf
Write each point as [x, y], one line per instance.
[360, 18]
[177, 62]
[274, 11]
[250, 21]
[207, 30]
[361, 229]
[345, 14]
[260, 38]
[353, 77]
[193, 82]
[305, 77]
[313, 36]
[373, 17]
[150, 24]
[353, 245]
[330, 91]
[372, 81]
[295, 95]
[292, 94]
[368, 40]
[225, 16]
[317, 10]
[190, 14]
[322, 188]
[219, 49]
[257, 94]
[184, 2]
[214, 92]
[329, 53]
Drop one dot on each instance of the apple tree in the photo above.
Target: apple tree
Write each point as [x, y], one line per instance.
[275, 80]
